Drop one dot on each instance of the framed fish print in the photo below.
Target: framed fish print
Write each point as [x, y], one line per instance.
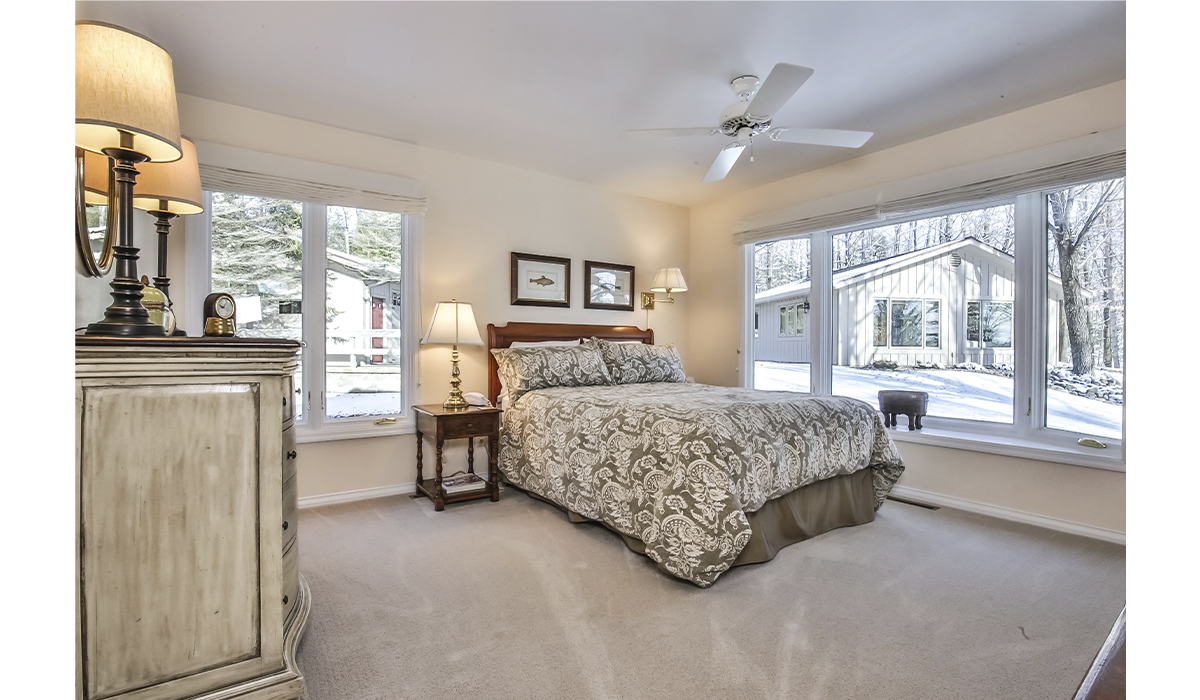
[609, 286]
[540, 280]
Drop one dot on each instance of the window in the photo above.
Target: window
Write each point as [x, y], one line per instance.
[1010, 314]
[791, 320]
[334, 278]
[989, 324]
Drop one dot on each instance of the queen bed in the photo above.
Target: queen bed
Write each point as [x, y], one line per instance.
[603, 424]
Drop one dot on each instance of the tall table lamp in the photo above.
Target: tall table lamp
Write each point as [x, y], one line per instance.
[453, 324]
[165, 190]
[125, 108]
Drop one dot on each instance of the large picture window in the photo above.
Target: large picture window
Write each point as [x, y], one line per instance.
[950, 302]
[332, 277]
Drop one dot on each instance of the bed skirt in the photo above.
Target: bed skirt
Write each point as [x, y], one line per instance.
[839, 501]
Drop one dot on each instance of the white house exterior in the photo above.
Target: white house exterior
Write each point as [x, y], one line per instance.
[946, 304]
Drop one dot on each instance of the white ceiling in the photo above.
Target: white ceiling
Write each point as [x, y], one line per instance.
[550, 86]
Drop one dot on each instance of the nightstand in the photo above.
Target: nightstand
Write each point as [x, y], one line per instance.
[443, 425]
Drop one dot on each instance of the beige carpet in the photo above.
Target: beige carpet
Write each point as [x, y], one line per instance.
[510, 600]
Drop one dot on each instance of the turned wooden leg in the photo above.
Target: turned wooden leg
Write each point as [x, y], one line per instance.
[493, 471]
[439, 502]
[420, 440]
[470, 455]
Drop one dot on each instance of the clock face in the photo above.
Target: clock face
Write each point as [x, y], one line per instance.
[224, 307]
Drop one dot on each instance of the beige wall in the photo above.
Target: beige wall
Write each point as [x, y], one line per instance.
[1097, 497]
[478, 213]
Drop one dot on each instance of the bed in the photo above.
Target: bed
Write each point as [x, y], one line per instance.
[699, 478]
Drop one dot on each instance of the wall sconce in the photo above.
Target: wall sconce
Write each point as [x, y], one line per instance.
[668, 279]
[125, 108]
[453, 324]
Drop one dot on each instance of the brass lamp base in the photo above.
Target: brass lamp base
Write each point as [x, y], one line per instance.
[455, 402]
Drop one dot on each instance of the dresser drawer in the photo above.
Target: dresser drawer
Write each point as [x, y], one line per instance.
[289, 454]
[289, 512]
[291, 579]
[289, 399]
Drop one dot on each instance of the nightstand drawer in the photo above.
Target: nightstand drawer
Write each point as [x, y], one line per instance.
[469, 425]
[291, 580]
[289, 512]
[289, 454]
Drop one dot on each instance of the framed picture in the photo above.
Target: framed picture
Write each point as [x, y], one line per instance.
[609, 286]
[540, 280]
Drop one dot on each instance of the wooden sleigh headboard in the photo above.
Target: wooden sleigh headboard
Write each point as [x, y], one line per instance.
[505, 336]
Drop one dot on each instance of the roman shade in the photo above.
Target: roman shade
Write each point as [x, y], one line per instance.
[1098, 167]
[229, 169]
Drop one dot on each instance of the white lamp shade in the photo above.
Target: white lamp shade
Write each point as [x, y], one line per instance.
[124, 83]
[669, 279]
[453, 324]
[173, 186]
[177, 183]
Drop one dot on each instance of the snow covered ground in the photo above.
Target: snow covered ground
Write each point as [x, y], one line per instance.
[952, 394]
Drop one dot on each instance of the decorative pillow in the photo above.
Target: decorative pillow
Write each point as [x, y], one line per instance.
[522, 370]
[545, 343]
[636, 363]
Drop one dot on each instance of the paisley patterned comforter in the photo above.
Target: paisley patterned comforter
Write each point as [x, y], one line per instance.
[679, 465]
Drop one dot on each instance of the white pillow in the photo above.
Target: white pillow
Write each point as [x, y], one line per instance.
[545, 344]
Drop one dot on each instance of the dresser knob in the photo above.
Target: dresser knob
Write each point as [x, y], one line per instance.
[285, 401]
[291, 454]
[285, 599]
[284, 524]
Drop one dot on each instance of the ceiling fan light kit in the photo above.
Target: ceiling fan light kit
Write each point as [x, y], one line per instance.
[751, 115]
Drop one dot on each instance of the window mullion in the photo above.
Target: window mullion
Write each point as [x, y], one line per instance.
[822, 342]
[1029, 314]
[313, 308]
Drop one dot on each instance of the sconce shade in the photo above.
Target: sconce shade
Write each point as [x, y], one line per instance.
[453, 324]
[669, 279]
[177, 182]
[124, 82]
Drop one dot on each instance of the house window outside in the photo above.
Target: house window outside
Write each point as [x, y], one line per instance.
[989, 324]
[879, 316]
[348, 310]
[914, 323]
[791, 320]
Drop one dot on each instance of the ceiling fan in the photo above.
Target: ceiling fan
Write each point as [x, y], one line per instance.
[751, 115]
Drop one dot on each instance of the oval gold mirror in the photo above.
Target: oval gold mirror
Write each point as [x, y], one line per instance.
[94, 235]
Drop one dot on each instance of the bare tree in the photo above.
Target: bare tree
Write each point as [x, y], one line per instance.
[1073, 214]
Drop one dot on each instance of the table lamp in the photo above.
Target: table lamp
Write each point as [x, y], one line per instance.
[453, 324]
[125, 108]
[165, 190]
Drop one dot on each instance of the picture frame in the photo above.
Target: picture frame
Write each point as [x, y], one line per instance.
[540, 280]
[608, 286]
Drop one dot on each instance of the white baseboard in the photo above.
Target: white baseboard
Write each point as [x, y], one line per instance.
[327, 499]
[1019, 516]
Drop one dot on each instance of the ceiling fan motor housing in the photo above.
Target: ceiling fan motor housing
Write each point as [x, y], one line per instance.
[734, 118]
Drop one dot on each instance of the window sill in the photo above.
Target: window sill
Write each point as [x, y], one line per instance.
[355, 429]
[1013, 447]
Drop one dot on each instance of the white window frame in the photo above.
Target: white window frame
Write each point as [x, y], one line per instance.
[1027, 435]
[314, 426]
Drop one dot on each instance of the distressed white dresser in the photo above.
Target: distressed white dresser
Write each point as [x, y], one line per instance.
[186, 551]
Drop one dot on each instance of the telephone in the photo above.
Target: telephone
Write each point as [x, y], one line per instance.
[474, 398]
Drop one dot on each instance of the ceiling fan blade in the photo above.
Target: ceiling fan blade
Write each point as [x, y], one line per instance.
[783, 82]
[725, 160]
[820, 137]
[655, 133]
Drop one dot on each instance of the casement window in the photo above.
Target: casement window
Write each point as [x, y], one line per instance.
[989, 324]
[1009, 312]
[911, 323]
[333, 267]
[791, 320]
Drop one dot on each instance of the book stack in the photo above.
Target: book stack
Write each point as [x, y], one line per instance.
[459, 483]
